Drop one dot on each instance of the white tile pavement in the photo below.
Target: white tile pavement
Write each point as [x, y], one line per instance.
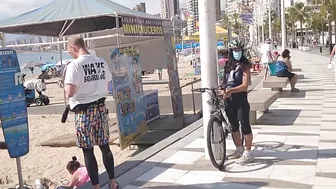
[294, 144]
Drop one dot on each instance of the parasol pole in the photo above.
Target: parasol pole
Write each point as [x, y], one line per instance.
[118, 30]
[62, 70]
[64, 29]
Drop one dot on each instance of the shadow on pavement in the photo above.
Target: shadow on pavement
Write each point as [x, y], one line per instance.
[288, 94]
[277, 117]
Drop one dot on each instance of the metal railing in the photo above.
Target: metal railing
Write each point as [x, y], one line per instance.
[192, 92]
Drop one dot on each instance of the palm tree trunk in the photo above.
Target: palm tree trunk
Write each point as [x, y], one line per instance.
[322, 35]
[306, 35]
[335, 32]
[330, 34]
[301, 34]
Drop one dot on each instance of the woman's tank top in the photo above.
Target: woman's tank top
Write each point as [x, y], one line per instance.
[234, 78]
[83, 176]
[280, 66]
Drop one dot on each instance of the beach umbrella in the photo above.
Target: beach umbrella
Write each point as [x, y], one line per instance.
[48, 66]
[63, 62]
[33, 64]
[222, 61]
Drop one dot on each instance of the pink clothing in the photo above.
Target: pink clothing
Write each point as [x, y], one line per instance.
[83, 176]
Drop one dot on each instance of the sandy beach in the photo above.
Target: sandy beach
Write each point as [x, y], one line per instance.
[50, 162]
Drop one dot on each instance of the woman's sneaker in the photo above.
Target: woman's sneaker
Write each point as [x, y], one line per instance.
[236, 154]
[245, 158]
[295, 90]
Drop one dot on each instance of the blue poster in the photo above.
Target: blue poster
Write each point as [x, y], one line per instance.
[13, 109]
[128, 92]
[152, 101]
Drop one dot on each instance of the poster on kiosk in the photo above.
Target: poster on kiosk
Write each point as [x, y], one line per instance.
[128, 92]
[13, 109]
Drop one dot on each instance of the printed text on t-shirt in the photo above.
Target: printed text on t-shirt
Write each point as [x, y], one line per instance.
[94, 71]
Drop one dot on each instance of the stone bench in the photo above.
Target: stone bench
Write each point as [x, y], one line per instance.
[260, 101]
[305, 48]
[275, 83]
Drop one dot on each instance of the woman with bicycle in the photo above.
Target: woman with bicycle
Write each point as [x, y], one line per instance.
[237, 107]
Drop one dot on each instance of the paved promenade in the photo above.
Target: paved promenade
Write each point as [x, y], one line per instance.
[294, 144]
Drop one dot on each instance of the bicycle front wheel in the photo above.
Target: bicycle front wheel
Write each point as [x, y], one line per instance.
[216, 142]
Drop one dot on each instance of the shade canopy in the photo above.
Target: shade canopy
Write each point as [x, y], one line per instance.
[68, 17]
[220, 33]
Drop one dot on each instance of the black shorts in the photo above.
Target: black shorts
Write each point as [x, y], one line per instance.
[286, 73]
[237, 110]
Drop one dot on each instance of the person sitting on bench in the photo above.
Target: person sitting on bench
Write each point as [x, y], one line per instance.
[283, 68]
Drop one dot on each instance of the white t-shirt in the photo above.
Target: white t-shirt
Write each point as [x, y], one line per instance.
[91, 76]
[265, 49]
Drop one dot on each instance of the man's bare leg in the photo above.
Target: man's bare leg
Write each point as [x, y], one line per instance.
[266, 72]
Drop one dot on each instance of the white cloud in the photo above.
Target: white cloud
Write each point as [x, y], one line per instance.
[11, 8]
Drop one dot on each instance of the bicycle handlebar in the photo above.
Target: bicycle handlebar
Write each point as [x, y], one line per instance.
[202, 90]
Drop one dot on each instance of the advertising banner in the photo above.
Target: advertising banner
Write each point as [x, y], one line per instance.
[152, 102]
[128, 93]
[133, 26]
[13, 108]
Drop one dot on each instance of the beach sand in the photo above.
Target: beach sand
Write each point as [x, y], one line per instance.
[50, 162]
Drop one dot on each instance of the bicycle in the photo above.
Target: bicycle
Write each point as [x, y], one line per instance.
[217, 128]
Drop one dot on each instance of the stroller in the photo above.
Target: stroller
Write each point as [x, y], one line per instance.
[35, 85]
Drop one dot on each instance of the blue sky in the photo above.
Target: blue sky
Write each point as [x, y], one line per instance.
[10, 8]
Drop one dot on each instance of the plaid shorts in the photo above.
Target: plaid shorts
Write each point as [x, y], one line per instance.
[92, 126]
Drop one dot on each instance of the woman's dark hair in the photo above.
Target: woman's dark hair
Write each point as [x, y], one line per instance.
[285, 53]
[73, 165]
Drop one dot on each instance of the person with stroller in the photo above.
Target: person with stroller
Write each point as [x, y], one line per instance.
[237, 107]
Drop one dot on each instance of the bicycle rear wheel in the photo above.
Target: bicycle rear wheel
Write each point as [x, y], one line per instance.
[216, 142]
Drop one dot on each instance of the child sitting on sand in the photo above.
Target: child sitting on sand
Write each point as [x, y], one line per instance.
[79, 175]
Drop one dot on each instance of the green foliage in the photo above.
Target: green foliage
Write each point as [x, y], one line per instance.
[318, 22]
[233, 21]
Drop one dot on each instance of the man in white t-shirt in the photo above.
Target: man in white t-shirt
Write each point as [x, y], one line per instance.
[266, 55]
[86, 86]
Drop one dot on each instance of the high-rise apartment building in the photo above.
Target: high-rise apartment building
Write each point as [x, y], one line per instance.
[218, 10]
[192, 23]
[169, 8]
[141, 7]
[192, 7]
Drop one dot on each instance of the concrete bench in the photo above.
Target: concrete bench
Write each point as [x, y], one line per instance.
[260, 101]
[275, 83]
[305, 48]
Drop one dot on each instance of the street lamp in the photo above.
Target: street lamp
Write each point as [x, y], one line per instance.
[269, 20]
[283, 25]
[208, 51]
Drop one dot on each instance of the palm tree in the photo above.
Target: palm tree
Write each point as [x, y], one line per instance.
[266, 21]
[308, 22]
[292, 19]
[318, 24]
[276, 25]
[302, 13]
[236, 22]
[327, 9]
